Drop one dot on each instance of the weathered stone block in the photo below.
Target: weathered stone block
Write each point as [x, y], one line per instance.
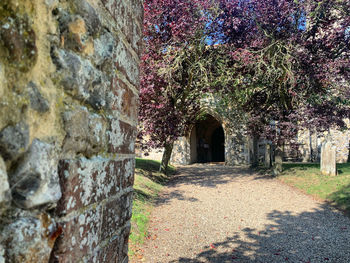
[2, 254]
[29, 238]
[124, 100]
[85, 182]
[126, 64]
[137, 41]
[81, 79]
[110, 253]
[126, 214]
[127, 180]
[14, 141]
[51, 3]
[328, 159]
[19, 40]
[90, 16]
[123, 247]
[77, 38]
[37, 101]
[80, 236]
[2, 80]
[122, 13]
[112, 218]
[125, 14]
[104, 48]
[116, 213]
[5, 193]
[85, 132]
[35, 182]
[121, 137]
[78, 29]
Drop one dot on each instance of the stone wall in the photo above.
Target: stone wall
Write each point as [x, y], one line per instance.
[309, 146]
[69, 77]
[311, 142]
[238, 146]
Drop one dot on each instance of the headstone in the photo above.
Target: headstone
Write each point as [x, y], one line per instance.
[267, 159]
[277, 167]
[328, 159]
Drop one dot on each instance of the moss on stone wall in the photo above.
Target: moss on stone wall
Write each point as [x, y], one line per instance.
[68, 101]
[17, 37]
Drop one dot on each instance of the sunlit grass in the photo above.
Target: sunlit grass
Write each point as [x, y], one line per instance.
[308, 178]
[148, 183]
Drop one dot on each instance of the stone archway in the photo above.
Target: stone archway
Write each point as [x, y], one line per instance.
[225, 137]
[207, 141]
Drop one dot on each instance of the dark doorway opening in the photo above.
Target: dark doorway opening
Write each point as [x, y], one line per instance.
[218, 145]
[207, 141]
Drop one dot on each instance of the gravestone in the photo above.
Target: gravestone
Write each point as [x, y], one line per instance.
[277, 166]
[328, 159]
[267, 159]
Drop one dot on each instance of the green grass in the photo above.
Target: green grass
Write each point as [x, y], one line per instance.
[148, 183]
[308, 178]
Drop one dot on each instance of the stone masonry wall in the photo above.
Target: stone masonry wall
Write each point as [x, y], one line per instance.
[69, 77]
[238, 148]
[310, 144]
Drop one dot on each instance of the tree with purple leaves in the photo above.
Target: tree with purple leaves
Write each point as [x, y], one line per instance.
[173, 73]
[285, 63]
[290, 64]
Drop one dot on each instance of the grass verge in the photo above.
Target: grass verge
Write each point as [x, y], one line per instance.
[148, 183]
[308, 178]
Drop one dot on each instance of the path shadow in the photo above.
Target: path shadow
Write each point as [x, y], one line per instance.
[203, 175]
[321, 235]
[178, 195]
[300, 166]
[341, 200]
[150, 169]
[208, 175]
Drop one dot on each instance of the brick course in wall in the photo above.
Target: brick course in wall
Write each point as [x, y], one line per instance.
[69, 81]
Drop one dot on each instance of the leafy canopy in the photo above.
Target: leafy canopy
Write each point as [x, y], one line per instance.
[284, 62]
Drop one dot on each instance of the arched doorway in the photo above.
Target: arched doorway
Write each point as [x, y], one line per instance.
[207, 141]
[218, 145]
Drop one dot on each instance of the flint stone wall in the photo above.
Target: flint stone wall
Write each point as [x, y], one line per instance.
[310, 144]
[238, 146]
[69, 78]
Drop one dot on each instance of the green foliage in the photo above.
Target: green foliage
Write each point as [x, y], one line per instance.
[308, 178]
[148, 183]
[150, 168]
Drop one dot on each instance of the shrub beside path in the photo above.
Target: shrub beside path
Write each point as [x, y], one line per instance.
[213, 213]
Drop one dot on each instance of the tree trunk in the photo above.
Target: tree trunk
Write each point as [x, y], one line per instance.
[277, 167]
[168, 149]
[255, 157]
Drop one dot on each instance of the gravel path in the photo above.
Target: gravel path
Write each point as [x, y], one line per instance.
[212, 213]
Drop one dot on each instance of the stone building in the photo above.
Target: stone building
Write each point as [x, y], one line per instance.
[210, 140]
[69, 78]
[220, 136]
